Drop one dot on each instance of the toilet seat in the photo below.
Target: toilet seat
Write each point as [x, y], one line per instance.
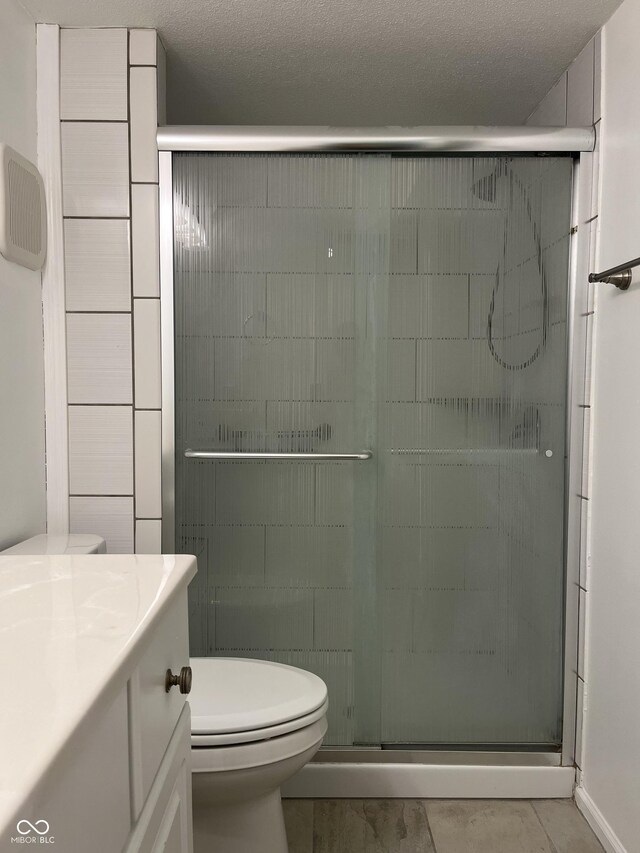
[232, 738]
[239, 700]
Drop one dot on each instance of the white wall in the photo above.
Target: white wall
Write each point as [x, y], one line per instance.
[611, 735]
[22, 460]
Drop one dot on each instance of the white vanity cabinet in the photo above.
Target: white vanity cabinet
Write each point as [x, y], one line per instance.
[112, 755]
[160, 742]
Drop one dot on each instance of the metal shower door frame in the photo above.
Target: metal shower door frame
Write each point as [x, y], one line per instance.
[445, 140]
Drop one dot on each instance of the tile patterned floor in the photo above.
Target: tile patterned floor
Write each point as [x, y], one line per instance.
[437, 826]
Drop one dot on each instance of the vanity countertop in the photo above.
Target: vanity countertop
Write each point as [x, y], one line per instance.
[69, 629]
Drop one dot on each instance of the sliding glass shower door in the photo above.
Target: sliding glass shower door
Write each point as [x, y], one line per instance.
[370, 377]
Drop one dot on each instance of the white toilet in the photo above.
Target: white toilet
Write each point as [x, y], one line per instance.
[253, 725]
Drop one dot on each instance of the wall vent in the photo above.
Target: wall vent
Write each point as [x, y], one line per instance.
[23, 233]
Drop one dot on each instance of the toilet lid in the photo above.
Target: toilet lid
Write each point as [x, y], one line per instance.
[239, 695]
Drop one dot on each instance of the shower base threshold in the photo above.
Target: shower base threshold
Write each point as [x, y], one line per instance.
[429, 773]
[496, 756]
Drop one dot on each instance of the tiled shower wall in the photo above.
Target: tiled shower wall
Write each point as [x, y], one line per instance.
[111, 101]
[575, 101]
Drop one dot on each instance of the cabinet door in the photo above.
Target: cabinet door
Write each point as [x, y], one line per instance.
[174, 833]
[155, 712]
[165, 824]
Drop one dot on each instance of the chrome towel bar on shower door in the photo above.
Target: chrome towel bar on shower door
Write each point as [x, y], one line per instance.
[241, 456]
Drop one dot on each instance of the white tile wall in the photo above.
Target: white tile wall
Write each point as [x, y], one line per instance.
[597, 78]
[582, 617]
[261, 235]
[584, 542]
[455, 241]
[401, 505]
[143, 124]
[95, 168]
[145, 243]
[333, 619]
[429, 306]
[109, 114]
[595, 186]
[583, 106]
[233, 305]
[401, 357]
[460, 496]
[161, 69]
[454, 621]
[307, 305]
[250, 369]
[292, 184]
[335, 369]
[148, 536]
[200, 498]
[400, 555]
[99, 358]
[580, 707]
[93, 74]
[455, 368]
[552, 110]
[588, 384]
[434, 425]
[334, 494]
[100, 450]
[97, 265]
[264, 619]
[403, 251]
[397, 620]
[300, 555]
[264, 494]
[143, 47]
[109, 517]
[148, 452]
[580, 88]
[238, 556]
[430, 714]
[146, 345]
[232, 415]
[586, 446]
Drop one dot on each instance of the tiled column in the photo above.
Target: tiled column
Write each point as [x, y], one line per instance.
[574, 101]
[146, 91]
[109, 111]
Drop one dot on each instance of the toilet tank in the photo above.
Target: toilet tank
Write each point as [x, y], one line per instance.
[59, 543]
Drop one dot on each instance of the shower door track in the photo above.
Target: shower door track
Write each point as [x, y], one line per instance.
[496, 757]
[415, 772]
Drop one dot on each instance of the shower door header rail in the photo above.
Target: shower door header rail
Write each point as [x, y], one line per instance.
[446, 139]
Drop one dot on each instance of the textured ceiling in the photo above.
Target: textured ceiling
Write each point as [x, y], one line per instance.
[352, 62]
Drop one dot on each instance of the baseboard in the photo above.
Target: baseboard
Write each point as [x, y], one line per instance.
[596, 820]
[324, 779]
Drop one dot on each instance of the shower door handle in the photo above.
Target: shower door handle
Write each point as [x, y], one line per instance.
[242, 456]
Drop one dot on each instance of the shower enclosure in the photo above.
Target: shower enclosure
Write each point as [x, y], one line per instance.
[370, 410]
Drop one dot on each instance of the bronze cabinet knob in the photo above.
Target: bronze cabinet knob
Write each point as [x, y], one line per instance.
[183, 680]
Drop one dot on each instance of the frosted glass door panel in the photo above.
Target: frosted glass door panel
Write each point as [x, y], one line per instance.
[278, 263]
[472, 501]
